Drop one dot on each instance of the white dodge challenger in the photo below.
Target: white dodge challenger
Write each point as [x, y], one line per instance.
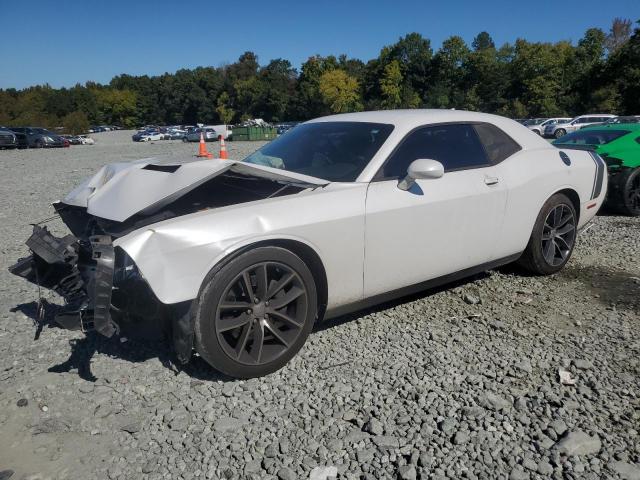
[238, 260]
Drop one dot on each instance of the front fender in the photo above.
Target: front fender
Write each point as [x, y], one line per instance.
[175, 256]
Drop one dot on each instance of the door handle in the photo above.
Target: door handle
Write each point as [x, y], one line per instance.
[491, 180]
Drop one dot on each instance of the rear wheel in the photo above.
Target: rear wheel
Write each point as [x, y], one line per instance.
[561, 132]
[255, 313]
[553, 237]
[625, 192]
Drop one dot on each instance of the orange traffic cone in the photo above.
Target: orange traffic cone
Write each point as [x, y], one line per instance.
[203, 148]
[223, 148]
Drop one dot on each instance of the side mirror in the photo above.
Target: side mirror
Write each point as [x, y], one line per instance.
[421, 168]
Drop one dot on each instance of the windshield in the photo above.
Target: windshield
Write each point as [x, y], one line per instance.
[591, 137]
[334, 151]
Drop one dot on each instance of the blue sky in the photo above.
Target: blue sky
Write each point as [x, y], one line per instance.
[76, 41]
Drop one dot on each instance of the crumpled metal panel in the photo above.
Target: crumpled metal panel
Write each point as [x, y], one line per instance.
[121, 190]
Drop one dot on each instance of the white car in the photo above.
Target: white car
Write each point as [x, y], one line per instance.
[152, 136]
[538, 125]
[85, 140]
[559, 129]
[239, 259]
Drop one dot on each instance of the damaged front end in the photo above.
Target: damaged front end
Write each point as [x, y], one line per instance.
[102, 287]
[86, 273]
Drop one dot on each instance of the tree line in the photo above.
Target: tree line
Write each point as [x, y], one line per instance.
[601, 72]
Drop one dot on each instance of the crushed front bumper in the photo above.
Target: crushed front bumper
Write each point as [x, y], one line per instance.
[80, 271]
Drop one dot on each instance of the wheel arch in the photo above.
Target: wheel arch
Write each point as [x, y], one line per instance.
[574, 197]
[306, 253]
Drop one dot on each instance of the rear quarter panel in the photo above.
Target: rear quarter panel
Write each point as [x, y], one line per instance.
[532, 177]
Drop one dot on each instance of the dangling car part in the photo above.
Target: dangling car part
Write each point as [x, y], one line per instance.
[238, 260]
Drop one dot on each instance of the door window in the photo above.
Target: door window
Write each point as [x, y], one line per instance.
[456, 146]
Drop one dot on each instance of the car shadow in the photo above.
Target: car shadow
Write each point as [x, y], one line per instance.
[82, 350]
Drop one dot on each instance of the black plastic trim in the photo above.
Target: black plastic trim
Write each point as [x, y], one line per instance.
[601, 168]
[426, 285]
[161, 168]
[104, 256]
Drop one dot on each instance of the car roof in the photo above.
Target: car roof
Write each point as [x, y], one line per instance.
[404, 121]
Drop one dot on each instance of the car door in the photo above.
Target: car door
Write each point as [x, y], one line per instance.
[439, 226]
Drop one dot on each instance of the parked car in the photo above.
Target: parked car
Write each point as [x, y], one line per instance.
[147, 135]
[7, 138]
[73, 139]
[559, 129]
[36, 137]
[85, 140]
[175, 134]
[622, 119]
[537, 125]
[79, 139]
[619, 146]
[243, 257]
[152, 136]
[211, 133]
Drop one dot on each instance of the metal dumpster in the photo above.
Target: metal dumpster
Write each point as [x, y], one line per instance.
[254, 133]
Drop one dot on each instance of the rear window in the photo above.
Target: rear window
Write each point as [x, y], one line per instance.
[497, 144]
[591, 137]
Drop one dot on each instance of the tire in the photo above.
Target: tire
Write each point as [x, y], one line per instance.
[558, 222]
[625, 192]
[561, 132]
[247, 337]
[537, 131]
[38, 144]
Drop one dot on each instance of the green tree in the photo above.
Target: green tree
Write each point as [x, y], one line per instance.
[619, 34]
[391, 85]
[483, 41]
[340, 91]
[224, 110]
[622, 74]
[447, 74]
[117, 107]
[75, 123]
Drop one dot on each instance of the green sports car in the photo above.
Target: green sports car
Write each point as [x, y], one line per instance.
[619, 146]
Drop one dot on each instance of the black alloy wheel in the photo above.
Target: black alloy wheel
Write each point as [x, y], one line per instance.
[558, 235]
[255, 312]
[262, 312]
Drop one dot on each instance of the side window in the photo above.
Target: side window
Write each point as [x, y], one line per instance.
[497, 144]
[457, 147]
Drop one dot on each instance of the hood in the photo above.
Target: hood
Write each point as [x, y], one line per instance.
[119, 190]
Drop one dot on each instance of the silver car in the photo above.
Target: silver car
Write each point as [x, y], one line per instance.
[559, 129]
[537, 125]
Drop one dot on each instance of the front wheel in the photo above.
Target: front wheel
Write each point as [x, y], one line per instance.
[561, 132]
[255, 313]
[553, 237]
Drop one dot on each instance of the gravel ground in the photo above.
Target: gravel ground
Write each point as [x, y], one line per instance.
[461, 382]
